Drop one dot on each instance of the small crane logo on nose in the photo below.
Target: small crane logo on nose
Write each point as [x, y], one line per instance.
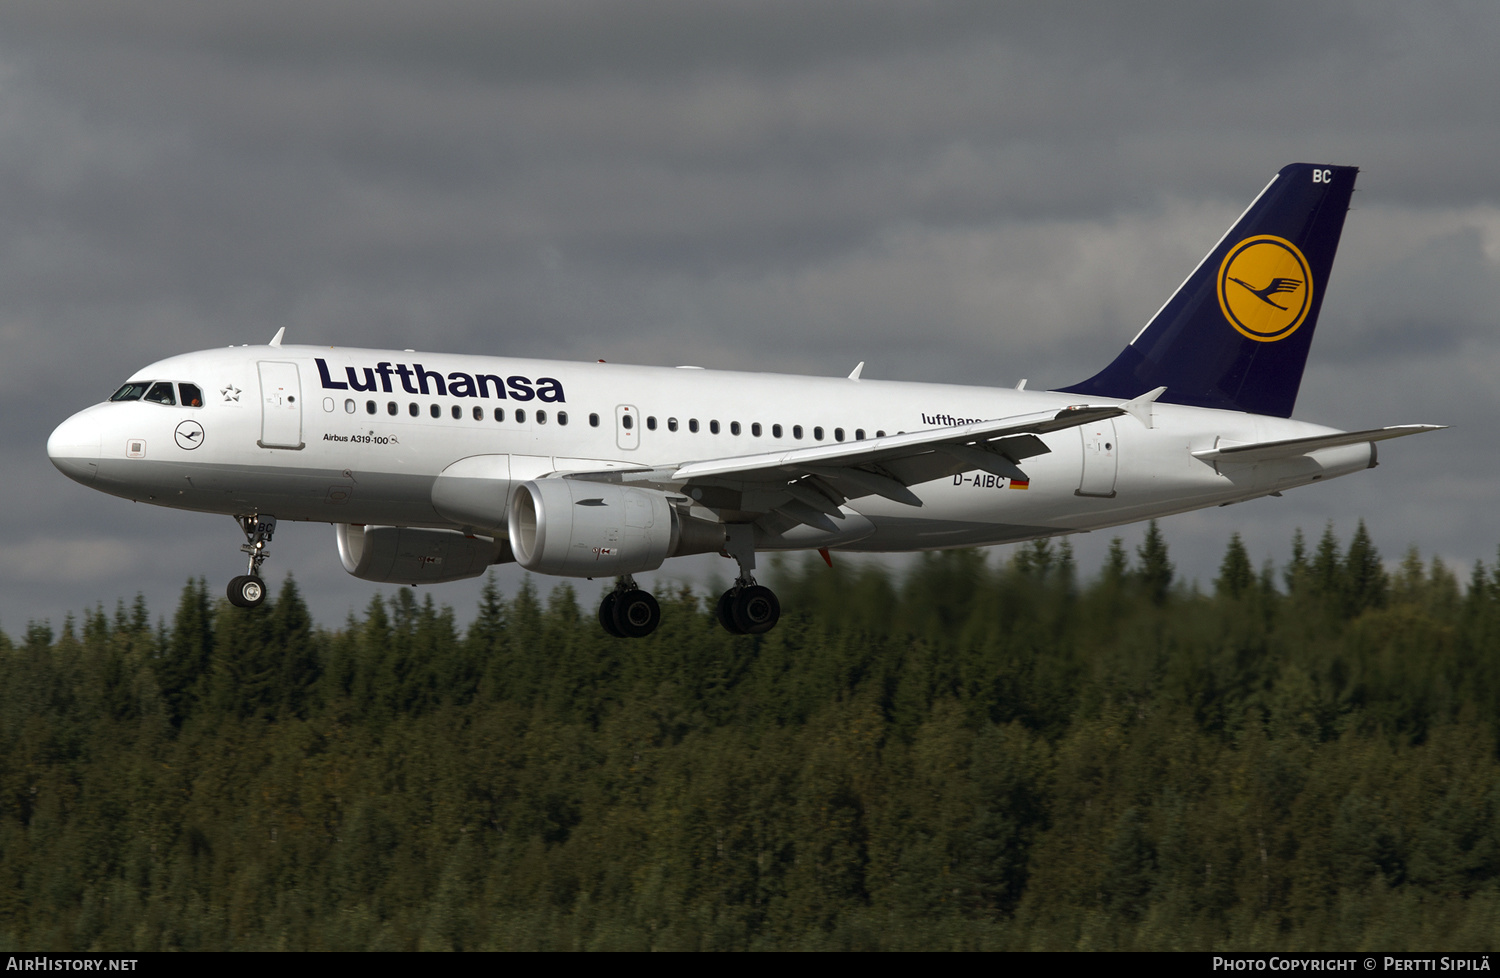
[189, 435]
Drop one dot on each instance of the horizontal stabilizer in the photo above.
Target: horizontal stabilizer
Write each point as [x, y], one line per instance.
[1292, 447]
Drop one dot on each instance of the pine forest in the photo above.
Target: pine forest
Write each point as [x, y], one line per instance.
[999, 751]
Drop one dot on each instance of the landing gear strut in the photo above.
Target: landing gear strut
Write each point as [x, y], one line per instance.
[747, 608]
[629, 612]
[248, 590]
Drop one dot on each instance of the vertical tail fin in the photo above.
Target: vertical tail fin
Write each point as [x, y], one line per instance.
[1235, 335]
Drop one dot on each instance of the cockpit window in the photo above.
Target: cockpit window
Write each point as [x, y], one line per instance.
[161, 393]
[131, 391]
[191, 395]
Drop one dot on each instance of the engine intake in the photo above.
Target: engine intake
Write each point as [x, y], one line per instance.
[577, 528]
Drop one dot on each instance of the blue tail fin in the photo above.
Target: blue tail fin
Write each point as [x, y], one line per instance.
[1236, 334]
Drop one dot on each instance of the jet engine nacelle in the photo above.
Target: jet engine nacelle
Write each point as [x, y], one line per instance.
[577, 528]
[408, 555]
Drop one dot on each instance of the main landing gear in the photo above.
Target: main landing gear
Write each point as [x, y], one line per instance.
[629, 612]
[747, 608]
[248, 590]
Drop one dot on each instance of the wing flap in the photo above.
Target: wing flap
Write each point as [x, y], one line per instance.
[776, 466]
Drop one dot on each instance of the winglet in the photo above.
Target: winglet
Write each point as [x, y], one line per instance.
[1140, 408]
[854, 374]
[276, 340]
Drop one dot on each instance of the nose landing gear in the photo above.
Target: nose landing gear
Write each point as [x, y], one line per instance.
[249, 590]
[629, 612]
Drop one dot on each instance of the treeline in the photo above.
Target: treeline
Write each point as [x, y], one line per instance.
[967, 755]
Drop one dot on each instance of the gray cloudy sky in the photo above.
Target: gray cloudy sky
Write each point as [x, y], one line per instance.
[967, 192]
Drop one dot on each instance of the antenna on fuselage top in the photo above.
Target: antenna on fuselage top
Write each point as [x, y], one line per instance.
[854, 374]
[276, 340]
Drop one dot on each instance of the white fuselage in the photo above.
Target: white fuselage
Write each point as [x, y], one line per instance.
[281, 433]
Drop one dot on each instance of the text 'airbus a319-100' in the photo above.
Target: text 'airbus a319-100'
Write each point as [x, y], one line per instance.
[432, 467]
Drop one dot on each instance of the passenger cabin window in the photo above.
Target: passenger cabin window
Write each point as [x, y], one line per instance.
[627, 422]
[671, 424]
[130, 392]
[191, 395]
[593, 420]
[435, 411]
[369, 407]
[818, 433]
[775, 431]
[161, 393]
[651, 422]
[713, 426]
[755, 429]
[797, 431]
[693, 425]
[562, 417]
[478, 413]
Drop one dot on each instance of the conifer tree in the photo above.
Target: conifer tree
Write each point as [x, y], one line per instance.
[1408, 585]
[487, 632]
[186, 655]
[1235, 573]
[1155, 570]
[1326, 572]
[1067, 568]
[1034, 559]
[1116, 565]
[1297, 570]
[1364, 577]
[295, 642]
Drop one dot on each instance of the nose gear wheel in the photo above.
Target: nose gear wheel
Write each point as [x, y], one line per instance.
[249, 589]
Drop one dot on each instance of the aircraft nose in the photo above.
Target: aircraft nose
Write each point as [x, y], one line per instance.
[74, 448]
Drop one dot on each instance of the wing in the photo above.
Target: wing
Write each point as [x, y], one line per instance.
[1292, 447]
[808, 485]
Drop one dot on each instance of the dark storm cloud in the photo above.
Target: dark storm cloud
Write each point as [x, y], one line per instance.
[973, 192]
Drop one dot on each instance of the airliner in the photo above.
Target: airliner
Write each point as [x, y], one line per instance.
[432, 467]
